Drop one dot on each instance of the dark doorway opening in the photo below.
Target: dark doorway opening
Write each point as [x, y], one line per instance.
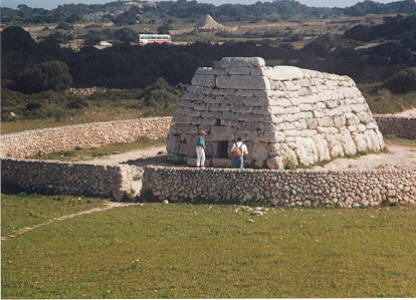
[223, 149]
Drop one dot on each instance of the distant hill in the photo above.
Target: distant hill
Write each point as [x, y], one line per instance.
[371, 7]
[398, 28]
[129, 12]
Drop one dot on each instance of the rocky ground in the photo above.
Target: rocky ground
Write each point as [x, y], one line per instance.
[398, 156]
[410, 113]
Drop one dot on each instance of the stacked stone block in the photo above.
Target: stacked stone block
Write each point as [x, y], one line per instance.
[346, 189]
[32, 142]
[404, 127]
[284, 114]
[116, 181]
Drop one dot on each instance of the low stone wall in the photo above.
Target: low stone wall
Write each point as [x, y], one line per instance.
[71, 179]
[283, 188]
[31, 142]
[247, 186]
[400, 126]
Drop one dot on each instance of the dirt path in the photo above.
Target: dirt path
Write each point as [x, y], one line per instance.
[399, 156]
[129, 156]
[411, 113]
[107, 205]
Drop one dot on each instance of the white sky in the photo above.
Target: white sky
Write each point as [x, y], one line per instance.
[50, 4]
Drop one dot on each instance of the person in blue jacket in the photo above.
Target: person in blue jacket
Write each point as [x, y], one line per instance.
[200, 150]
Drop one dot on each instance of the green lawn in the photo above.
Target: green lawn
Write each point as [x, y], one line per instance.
[214, 251]
[21, 210]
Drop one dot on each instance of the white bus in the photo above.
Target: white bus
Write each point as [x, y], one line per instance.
[153, 38]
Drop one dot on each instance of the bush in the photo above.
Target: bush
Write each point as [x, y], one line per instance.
[65, 26]
[402, 82]
[164, 28]
[39, 105]
[15, 38]
[126, 34]
[52, 75]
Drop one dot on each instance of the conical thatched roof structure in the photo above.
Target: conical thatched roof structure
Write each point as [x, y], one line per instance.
[209, 24]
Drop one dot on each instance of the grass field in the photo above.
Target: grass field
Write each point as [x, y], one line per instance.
[21, 210]
[203, 251]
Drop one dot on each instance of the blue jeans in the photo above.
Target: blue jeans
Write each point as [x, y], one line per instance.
[237, 162]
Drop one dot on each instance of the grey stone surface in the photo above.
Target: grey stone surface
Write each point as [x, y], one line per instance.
[312, 116]
[345, 189]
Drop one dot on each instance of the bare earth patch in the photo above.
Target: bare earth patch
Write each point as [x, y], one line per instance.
[408, 113]
[399, 156]
[142, 154]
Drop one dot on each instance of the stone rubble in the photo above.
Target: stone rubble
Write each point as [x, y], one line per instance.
[283, 113]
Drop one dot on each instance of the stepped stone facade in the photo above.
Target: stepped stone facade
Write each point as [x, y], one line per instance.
[284, 114]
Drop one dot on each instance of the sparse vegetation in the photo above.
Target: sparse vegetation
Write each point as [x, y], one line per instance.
[87, 154]
[58, 108]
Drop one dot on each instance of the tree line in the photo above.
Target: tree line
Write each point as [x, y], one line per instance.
[157, 72]
[184, 9]
[27, 63]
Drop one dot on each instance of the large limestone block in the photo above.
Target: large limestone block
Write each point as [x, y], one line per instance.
[254, 101]
[269, 136]
[372, 141]
[360, 141]
[321, 147]
[181, 119]
[239, 62]
[347, 142]
[174, 144]
[334, 145]
[275, 163]
[243, 82]
[274, 149]
[284, 73]
[209, 71]
[188, 145]
[203, 80]
[186, 111]
[306, 151]
[221, 133]
[380, 139]
[244, 71]
[184, 129]
[289, 155]
[259, 152]
[203, 121]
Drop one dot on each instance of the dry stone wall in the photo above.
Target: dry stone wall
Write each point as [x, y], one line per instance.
[285, 114]
[31, 142]
[400, 126]
[115, 181]
[282, 188]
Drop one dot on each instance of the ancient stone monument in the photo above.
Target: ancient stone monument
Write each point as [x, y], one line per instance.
[286, 115]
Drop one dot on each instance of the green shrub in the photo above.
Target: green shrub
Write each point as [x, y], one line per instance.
[402, 82]
[65, 26]
[51, 75]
